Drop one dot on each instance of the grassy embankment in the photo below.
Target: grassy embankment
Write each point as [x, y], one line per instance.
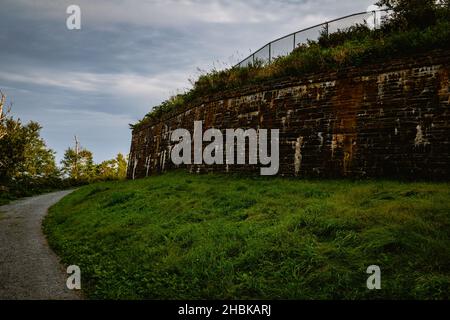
[181, 236]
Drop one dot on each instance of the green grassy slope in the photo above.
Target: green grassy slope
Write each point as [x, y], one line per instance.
[215, 236]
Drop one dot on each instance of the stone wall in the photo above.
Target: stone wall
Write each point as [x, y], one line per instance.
[389, 119]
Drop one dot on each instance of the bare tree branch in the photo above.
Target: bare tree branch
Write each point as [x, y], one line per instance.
[2, 103]
[3, 114]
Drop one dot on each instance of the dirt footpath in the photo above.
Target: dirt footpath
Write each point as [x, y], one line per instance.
[29, 269]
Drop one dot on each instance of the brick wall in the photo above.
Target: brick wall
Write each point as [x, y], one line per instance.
[389, 119]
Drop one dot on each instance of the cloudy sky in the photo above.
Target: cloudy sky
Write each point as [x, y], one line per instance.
[129, 56]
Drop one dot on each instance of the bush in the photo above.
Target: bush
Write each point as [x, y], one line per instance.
[358, 32]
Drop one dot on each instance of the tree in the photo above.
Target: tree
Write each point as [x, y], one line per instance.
[38, 160]
[25, 160]
[23, 152]
[409, 14]
[12, 148]
[121, 166]
[112, 169]
[78, 163]
[107, 170]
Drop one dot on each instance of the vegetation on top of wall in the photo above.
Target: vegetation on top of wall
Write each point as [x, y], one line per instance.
[415, 26]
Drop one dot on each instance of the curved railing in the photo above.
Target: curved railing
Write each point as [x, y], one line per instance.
[285, 45]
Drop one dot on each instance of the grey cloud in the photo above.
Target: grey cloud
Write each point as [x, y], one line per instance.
[129, 56]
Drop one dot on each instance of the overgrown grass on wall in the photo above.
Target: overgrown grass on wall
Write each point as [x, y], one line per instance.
[354, 46]
[182, 236]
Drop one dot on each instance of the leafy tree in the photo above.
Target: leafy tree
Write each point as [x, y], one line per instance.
[411, 13]
[23, 152]
[112, 169]
[12, 147]
[121, 166]
[27, 166]
[78, 163]
[107, 170]
[39, 161]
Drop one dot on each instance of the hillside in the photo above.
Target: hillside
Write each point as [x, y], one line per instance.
[182, 236]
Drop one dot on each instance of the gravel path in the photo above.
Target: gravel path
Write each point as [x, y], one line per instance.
[29, 269]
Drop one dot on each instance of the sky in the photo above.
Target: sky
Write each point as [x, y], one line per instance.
[129, 56]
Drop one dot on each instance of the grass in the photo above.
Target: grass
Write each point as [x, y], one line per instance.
[182, 236]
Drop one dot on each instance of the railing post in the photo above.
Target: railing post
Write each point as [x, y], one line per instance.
[326, 28]
[253, 58]
[270, 52]
[374, 20]
[294, 42]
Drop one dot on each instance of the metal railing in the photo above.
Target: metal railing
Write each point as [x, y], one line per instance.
[285, 45]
